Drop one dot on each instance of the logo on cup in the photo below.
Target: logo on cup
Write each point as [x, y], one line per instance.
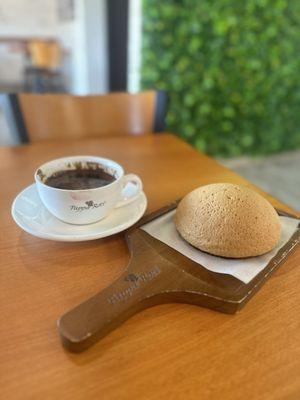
[89, 205]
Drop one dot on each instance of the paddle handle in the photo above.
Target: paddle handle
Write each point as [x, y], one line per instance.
[133, 291]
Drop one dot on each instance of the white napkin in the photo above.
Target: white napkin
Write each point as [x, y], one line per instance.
[163, 229]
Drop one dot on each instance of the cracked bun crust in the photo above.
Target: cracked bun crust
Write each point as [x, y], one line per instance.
[228, 220]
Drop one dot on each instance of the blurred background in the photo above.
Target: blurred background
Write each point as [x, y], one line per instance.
[230, 69]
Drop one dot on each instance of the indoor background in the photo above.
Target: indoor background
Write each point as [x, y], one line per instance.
[230, 70]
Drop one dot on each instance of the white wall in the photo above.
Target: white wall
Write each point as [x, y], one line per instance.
[84, 39]
[23, 18]
[89, 41]
[96, 45]
[134, 45]
[72, 36]
[87, 38]
[27, 17]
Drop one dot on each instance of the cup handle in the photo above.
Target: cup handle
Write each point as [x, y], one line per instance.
[128, 195]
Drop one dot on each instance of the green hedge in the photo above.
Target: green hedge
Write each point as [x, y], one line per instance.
[232, 71]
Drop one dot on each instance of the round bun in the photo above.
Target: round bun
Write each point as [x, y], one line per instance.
[228, 220]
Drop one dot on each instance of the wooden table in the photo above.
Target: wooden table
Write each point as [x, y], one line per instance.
[173, 351]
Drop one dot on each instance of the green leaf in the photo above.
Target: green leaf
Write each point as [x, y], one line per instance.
[231, 70]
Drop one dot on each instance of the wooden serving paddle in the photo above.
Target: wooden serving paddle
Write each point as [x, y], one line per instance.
[157, 274]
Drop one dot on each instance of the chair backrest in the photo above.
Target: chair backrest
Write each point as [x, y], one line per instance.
[61, 116]
[44, 54]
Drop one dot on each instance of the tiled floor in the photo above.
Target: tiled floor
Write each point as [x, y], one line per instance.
[278, 175]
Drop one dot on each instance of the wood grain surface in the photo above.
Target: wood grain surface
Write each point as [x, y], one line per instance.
[174, 351]
[57, 116]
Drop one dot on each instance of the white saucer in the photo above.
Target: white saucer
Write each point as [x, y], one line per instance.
[30, 214]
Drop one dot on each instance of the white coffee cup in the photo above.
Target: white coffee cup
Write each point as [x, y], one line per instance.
[85, 206]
